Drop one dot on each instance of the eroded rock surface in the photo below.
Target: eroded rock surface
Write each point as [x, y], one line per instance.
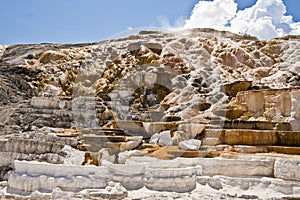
[199, 113]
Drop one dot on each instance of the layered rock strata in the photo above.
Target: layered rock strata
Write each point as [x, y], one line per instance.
[179, 175]
[219, 110]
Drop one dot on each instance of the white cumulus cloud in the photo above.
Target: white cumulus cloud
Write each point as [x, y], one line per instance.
[266, 19]
[212, 14]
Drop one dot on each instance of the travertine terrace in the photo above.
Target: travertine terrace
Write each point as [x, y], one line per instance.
[190, 114]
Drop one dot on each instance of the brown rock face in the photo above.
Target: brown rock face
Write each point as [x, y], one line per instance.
[270, 105]
[231, 111]
[146, 56]
[233, 88]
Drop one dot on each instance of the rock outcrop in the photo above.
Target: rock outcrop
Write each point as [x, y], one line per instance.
[180, 112]
[277, 105]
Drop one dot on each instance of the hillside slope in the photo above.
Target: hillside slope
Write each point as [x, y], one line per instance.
[232, 97]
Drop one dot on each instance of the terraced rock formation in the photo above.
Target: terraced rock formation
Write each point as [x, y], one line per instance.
[182, 114]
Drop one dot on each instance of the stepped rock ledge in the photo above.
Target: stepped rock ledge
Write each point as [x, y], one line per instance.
[185, 114]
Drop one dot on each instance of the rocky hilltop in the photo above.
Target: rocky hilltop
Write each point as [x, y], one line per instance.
[192, 114]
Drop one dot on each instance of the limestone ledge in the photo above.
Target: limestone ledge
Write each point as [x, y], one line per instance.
[46, 112]
[112, 191]
[39, 146]
[8, 158]
[277, 105]
[271, 186]
[172, 179]
[52, 135]
[260, 137]
[30, 176]
[287, 169]
[30, 149]
[184, 184]
[216, 166]
[29, 146]
[178, 175]
[173, 172]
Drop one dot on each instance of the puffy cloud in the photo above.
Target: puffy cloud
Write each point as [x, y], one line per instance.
[212, 14]
[266, 19]
[295, 28]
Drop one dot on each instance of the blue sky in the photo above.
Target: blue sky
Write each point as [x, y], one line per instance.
[75, 21]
